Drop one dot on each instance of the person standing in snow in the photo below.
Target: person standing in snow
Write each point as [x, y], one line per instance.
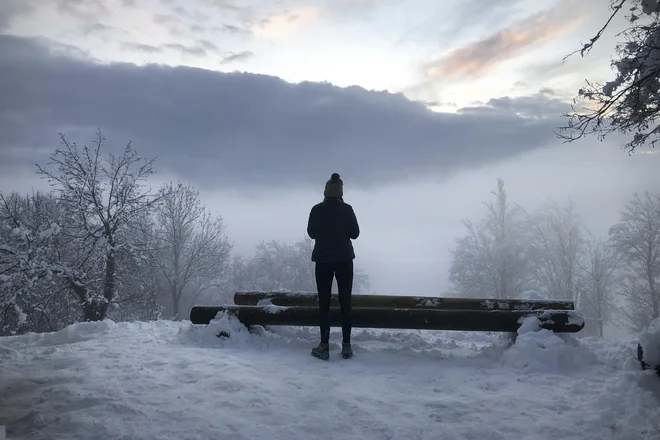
[332, 224]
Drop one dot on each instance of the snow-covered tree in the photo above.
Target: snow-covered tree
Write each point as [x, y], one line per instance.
[192, 251]
[100, 198]
[556, 243]
[598, 285]
[630, 102]
[31, 296]
[637, 240]
[491, 260]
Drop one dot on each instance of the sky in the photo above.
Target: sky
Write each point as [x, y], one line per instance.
[420, 106]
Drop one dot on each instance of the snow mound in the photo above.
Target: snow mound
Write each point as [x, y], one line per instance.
[538, 350]
[650, 341]
[78, 332]
[616, 354]
[224, 330]
[533, 295]
[269, 307]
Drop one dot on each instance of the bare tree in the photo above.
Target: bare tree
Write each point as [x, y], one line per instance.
[490, 261]
[140, 288]
[598, 283]
[556, 246]
[637, 239]
[100, 198]
[193, 252]
[630, 102]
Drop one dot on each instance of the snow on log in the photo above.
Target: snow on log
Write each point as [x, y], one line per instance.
[566, 321]
[306, 299]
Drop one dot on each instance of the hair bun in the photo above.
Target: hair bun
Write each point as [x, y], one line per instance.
[334, 176]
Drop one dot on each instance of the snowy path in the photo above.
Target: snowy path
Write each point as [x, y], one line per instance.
[168, 380]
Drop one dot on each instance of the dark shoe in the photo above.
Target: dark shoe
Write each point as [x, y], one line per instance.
[346, 350]
[322, 351]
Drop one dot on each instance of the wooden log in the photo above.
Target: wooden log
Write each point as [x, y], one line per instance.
[306, 299]
[567, 321]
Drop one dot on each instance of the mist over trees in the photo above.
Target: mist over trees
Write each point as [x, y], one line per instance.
[102, 244]
[613, 280]
[491, 260]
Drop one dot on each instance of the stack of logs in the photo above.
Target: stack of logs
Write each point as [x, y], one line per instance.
[397, 312]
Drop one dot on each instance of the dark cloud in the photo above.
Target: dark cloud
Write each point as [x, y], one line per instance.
[236, 129]
[543, 105]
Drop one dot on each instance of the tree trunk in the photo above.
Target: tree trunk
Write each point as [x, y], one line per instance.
[175, 307]
[110, 273]
[654, 295]
[94, 310]
[176, 299]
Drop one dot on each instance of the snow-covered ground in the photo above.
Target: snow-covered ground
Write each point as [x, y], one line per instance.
[170, 380]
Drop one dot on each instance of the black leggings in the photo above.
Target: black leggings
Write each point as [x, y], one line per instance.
[325, 272]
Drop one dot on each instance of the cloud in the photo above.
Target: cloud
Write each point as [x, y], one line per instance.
[239, 129]
[245, 15]
[140, 47]
[166, 18]
[82, 9]
[282, 25]
[195, 50]
[545, 104]
[240, 56]
[470, 15]
[233, 29]
[96, 29]
[480, 57]
[201, 48]
[10, 9]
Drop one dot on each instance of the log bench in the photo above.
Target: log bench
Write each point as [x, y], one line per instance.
[397, 312]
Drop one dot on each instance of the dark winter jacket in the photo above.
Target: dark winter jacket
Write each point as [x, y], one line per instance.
[332, 224]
